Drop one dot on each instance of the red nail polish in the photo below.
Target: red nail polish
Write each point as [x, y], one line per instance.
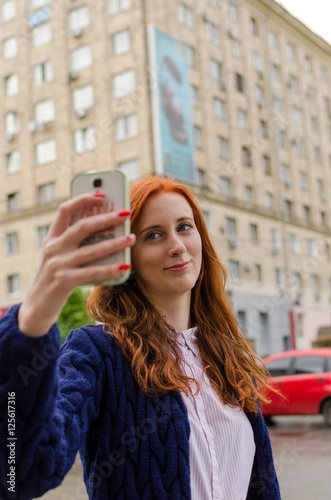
[124, 267]
[124, 213]
[99, 195]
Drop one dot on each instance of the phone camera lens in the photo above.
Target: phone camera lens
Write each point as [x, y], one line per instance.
[97, 183]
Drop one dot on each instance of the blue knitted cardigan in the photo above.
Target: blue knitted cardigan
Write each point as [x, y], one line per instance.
[132, 446]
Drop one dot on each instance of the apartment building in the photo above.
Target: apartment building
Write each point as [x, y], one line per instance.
[77, 94]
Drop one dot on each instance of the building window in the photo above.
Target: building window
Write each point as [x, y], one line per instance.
[225, 186]
[126, 127]
[234, 267]
[223, 147]
[315, 285]
[293, 84]
[266, 165]
[212, 3]
[249, 194]
[212, 33]
[219, 108]
[197, 135]
[269, 201]
[12, 124]
[272, 39]
[45, 112]
[11, 243]
[317, 154]
[41, 233]
[296, 115]
[279, 276]
[254, 26]
[46, 193]
[11, 85]
[41, 35]
[201, 177]
[246, 156]
[259, 96]
[306, 213]
[80, 58]
[9, 47]
[206, 217]
[281, 138]
[242, 119]
[230, 227]
[194, 96]
[324, 75]
[323, 218]
[285, 174]
[233, 11]
[275, 240]
[263, 129]
[121, 42]
[290, 51]
[320, 189]
[43, 72]
[303, 179]
[257, 273]
[185, 15]
[8, 10]
[257, 61]
[314, 125]
[13, 202]
[35, 4]
[275, 72]
[124, 84]
[215, 70]
[13, 162]
[46, 152]
[312, 248]
[116, 6]
[189, 55]
[13, 285]
[299, 147]
[307, 64]
[288, 208]
[239, 82]
[82, 99]
[294, 243]
[278, 104]
[131, 168]
[84, 139]
[254, 233]
[236, 48]
[78, 20]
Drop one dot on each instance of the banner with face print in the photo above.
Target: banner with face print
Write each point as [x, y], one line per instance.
[171, 105]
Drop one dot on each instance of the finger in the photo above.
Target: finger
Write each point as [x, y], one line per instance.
[89, 253]
[85, 275]
[68, 209]
[91, 225]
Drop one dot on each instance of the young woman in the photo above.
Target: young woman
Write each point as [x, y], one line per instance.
[161, 398]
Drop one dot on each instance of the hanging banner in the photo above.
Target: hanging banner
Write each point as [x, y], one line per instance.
[171, 106]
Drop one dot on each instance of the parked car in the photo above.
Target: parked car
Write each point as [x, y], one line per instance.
[304, 378]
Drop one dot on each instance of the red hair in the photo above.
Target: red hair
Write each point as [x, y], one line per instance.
[150, 344]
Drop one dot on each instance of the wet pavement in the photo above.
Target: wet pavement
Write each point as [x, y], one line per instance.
[302, 454]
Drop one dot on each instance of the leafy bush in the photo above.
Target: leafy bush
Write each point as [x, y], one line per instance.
[74, 313]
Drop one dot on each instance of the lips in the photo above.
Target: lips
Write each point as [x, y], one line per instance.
[178, 267]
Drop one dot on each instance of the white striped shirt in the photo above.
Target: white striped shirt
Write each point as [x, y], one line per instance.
[222, 445]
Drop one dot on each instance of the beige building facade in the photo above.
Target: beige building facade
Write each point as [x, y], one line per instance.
[76, 96]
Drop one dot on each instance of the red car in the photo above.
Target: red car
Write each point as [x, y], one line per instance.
[304, 378]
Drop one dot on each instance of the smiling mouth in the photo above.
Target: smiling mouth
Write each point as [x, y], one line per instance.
[178, 267]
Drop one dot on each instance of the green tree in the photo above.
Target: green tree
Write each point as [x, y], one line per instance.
[74, 313]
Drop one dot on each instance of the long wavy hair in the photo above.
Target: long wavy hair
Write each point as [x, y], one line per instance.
[149, 343]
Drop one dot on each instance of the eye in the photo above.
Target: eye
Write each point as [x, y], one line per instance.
[185, 227]
[152, 236]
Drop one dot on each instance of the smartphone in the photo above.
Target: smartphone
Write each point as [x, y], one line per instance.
[115, 185]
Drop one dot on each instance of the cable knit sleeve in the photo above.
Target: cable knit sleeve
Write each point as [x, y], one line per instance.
[55, 399]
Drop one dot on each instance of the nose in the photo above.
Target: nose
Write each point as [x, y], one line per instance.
[176, 245]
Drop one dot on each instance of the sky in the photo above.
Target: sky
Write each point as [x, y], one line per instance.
[316, 14]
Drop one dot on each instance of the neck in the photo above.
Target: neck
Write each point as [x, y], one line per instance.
[176, 310]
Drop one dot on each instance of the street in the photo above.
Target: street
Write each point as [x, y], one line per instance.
[302, 454]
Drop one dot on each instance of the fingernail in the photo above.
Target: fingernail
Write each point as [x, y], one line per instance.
[124, 267]
[99, 195]
[124, 213]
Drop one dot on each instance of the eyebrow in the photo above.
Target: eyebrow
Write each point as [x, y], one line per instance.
[157, 226]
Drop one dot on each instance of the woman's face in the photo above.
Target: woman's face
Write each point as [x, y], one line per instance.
[166, 258]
